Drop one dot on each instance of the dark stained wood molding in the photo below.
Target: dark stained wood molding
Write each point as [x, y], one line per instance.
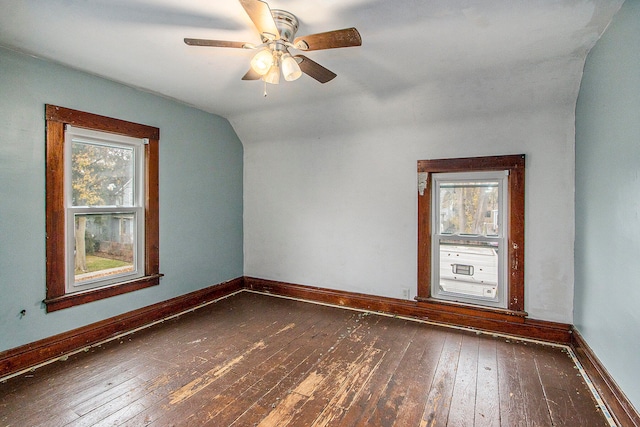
[86, 120]
[424, 238]
[70, 300]
[23, 357]
[465, 164]
[152, 207]
[490, 321]
[622, 410]
[473, 310]
[55, 213]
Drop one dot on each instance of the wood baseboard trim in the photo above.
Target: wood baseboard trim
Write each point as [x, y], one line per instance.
[489, 322]
[39, 352]
[622, 410]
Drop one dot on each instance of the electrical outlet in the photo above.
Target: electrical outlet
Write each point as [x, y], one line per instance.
[406, 294]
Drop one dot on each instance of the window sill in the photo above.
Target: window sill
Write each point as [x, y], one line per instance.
[70, 300]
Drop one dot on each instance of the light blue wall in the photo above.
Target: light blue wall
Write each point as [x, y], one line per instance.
[607, 254]
[200, 194]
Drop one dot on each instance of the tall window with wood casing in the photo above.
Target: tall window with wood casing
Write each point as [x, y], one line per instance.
[102, 207]
[471, 231]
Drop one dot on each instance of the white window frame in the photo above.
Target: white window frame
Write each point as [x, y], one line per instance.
[138, 209]
[502, 297]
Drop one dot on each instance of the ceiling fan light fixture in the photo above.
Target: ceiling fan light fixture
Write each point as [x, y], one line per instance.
[262, 61]
[273, 76]
[278, 29]
[290, 68]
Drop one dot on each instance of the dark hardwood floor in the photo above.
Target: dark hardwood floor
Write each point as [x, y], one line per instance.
[258, 360]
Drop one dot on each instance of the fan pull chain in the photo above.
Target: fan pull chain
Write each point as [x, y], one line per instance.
[265, 89]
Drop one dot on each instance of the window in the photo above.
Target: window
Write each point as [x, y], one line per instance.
[104, 203]
[471, 231]
[468, 243]
[102, 207]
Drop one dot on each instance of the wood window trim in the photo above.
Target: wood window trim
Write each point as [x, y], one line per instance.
[515, 164]
[56, 119]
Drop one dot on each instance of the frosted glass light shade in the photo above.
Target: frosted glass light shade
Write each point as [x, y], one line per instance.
[290, 68]
[262, 61]
[273, 76]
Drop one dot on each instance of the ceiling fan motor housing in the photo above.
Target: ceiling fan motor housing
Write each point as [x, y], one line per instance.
[286, 22]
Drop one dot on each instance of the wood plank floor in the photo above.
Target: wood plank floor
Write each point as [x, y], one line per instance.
[258, 360]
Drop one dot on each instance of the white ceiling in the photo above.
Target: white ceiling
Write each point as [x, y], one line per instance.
[420, 60]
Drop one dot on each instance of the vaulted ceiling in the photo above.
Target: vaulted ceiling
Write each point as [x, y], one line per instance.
[420, 60]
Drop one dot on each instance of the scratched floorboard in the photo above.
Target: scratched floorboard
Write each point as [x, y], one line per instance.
[257, 360]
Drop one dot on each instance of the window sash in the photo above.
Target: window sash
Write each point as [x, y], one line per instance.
[72, 285]
[104, 139]
[485, 294]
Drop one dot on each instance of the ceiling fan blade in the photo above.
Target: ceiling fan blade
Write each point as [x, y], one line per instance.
[251, 75]
[260, 14]
[329, 40]
[315, 70]
[215, 43]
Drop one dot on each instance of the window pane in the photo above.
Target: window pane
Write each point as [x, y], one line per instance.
[107, 248]
[469, 268]
[469, 208]
[102, 175]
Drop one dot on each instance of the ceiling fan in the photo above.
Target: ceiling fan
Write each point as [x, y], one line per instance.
[277, 30]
